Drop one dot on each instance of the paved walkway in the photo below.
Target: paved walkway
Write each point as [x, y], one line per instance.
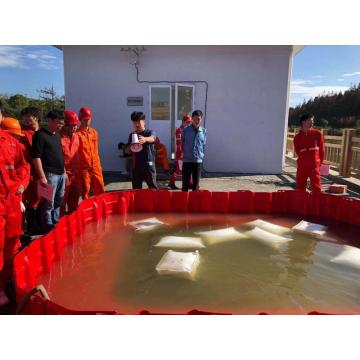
[233, 182]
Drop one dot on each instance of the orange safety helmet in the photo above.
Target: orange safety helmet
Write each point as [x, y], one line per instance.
[12, 126]
[85, 113]
[187, 119]
[71, 117]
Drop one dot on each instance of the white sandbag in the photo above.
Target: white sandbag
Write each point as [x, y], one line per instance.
[218, 236]
[180, 242]
[146, 224]
[268, 226]
[349, 257]
[308, 228]
[267, 238]
[180, 264]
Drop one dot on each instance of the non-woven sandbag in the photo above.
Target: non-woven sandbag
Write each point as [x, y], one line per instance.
[311, 229]
[221, 235]
[180, 242]
[146, 224]
[268, 226]
[267, 238]
[349, 257]
[180, 264]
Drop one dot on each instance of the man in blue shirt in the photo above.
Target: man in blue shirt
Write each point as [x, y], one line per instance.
[193, 144]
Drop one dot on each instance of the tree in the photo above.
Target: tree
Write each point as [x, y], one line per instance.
[339, 110]
[15, 103]
[323, 123]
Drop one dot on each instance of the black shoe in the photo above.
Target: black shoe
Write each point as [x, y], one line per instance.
[173, 187]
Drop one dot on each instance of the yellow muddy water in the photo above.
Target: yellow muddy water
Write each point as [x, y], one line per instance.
[112, 267]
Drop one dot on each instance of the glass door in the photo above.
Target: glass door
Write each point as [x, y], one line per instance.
[160, 99]
[184, 105]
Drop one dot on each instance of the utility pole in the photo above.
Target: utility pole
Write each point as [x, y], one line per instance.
[48, 94]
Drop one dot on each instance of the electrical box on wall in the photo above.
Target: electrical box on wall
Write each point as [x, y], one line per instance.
[135, 101]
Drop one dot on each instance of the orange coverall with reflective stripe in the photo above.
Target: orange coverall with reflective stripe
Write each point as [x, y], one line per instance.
[179, 152]
[14, 171]
[70, 148]
[89, 163]
[310, 150]
[161, 156]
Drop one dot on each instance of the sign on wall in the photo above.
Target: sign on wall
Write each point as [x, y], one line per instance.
[135, 101]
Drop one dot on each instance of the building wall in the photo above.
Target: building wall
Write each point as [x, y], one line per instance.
[246, 101]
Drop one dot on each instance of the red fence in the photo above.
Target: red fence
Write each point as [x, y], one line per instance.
[39, 256]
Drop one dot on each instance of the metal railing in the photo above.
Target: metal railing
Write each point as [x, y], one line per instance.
[342, 152]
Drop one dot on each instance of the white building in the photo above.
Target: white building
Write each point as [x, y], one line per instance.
[242, 90]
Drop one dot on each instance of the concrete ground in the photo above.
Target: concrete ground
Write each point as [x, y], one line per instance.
[233, 182]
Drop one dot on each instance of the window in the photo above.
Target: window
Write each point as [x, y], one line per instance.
[184, 101]
[160, 100]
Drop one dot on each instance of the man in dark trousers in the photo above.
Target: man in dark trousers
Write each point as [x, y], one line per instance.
[193, 142]
[48, 160]
[143, 162]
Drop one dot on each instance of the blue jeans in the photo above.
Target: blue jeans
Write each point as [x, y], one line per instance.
[50, 210]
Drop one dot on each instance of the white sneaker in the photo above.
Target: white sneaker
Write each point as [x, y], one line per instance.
[4, 300]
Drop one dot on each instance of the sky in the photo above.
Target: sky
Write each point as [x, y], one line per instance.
[319, 69]
[25, 69]
[316, 69]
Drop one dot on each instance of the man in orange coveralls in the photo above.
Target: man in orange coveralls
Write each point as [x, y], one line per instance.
[161, 155]
[89, 161]
[14, 178]
[12, 127]
[179, 153]
[309, 147]
[30, 124]
[70, 146]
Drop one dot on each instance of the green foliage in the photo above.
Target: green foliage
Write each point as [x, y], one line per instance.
[334, 110]
[15, 103]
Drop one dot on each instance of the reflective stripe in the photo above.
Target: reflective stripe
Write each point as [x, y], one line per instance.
[9, 167]
[302, 150]
[314, 148]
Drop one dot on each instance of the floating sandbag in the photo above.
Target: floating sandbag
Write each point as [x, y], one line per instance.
[146, 224]
[180, 242]
[268, 226]
[267, 238]
[308, 228]
[217, 236]
[181, 264]
[349, 257]
[327, 250]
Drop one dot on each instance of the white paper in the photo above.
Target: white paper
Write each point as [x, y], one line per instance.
[46, 191]
[180, 242]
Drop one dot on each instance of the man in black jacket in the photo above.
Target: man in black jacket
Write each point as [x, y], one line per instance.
[143, 162]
